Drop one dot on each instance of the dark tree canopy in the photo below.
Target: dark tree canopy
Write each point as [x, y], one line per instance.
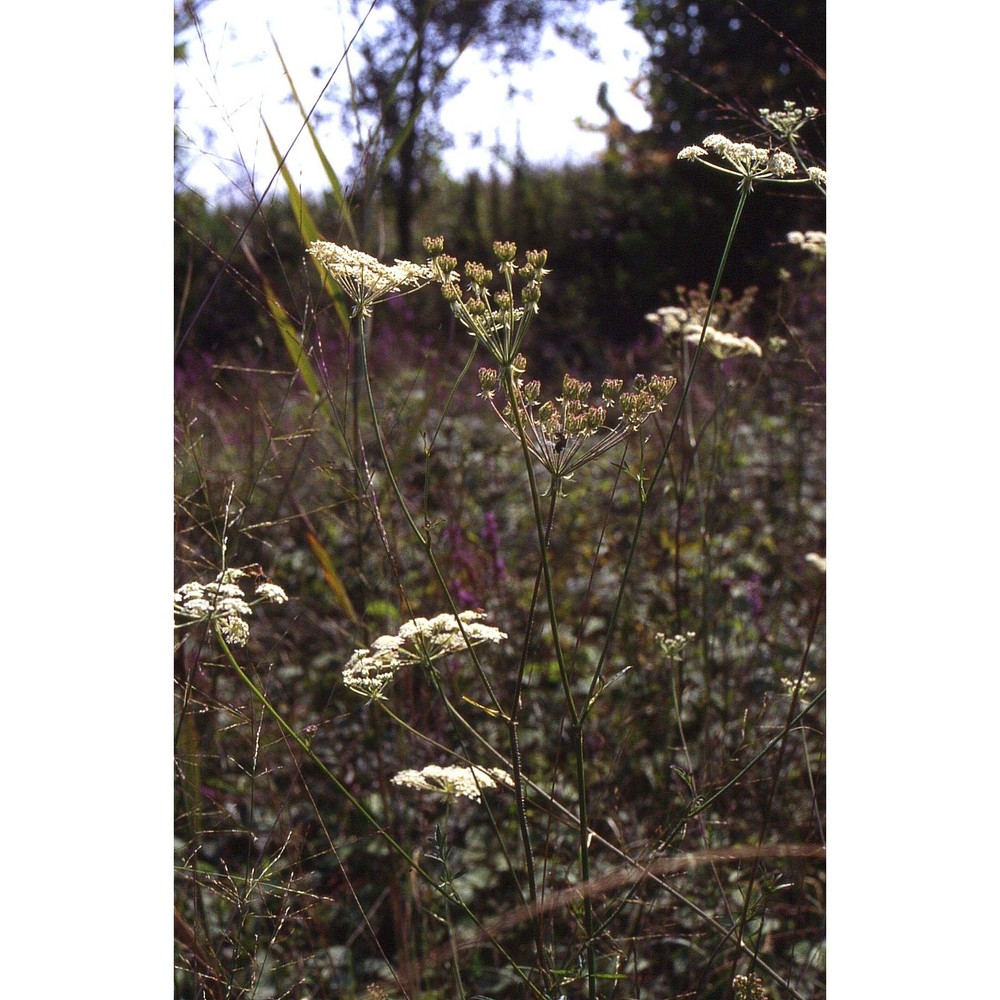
[727, 58]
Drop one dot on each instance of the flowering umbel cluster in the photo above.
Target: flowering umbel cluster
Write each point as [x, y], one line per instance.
[745, 160]
[749, 988]
[789, 121]
[800, 684]
[421, 640]
[673, 646]
[752, 163]
[493, 317]
[812, 241]
[224, 603]
[680, 322]
[365, 280]
[567, 432]
[454, 780]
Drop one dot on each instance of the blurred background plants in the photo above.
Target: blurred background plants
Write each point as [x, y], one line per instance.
[283, 888]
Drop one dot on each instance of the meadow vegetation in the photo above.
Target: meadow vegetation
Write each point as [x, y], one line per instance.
[500, 654]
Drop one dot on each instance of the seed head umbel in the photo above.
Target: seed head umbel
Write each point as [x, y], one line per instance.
[489, 314]
[570, 431]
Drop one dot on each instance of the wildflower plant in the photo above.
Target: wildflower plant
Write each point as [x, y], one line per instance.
[454, 780]
[744, 160]
[419, 641]
[224, 603]
[524, 702]
[753, 164]
[364, 279]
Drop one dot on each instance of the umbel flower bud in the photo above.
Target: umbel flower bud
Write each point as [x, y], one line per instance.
[434, 245]
[491, 316]
[505, 251]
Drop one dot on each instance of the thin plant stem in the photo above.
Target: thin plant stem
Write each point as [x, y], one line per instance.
[513, 723]
[772, 791]
[576, 720]
[375, 824]
[647, 487]
[424, 539]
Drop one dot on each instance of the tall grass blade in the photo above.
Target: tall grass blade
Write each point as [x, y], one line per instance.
[309, 231]
[336, 189]
[289, 333]
[332, 577]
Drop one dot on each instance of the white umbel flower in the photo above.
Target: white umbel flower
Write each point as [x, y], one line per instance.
[223, 601]
[370, 671]
[271, 592]
[812, 241]
[748, 162]
[420, 640]
[365, 280]
[443, 634]
[454, 780]
[725, 345]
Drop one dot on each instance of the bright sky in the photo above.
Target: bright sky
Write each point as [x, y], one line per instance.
[233, 80]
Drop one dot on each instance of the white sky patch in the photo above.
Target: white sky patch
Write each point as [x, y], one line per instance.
[233, 83]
